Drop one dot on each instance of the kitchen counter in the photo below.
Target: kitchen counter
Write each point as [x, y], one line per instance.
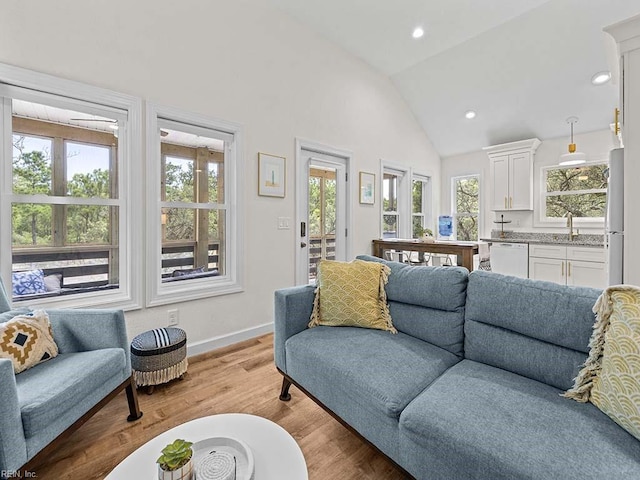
[586, 240]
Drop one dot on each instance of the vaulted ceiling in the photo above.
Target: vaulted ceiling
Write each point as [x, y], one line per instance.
[523, 65]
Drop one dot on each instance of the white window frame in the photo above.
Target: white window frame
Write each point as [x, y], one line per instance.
[159, 293]
[38, 87]
[454, 204]
[588, 222]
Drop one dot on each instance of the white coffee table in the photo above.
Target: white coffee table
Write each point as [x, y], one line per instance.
[277, 455]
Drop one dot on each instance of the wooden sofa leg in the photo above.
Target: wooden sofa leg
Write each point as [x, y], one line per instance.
[284, 393]
[132, 399]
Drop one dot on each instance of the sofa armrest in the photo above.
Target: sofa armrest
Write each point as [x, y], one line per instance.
[293, 308]
[84, 330]
[13, 447]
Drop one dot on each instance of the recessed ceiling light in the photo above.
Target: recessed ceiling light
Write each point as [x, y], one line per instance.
[470, 114]
[418, 32]
[600, 78]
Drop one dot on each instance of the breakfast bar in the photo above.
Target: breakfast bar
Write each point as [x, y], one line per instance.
[464, 250]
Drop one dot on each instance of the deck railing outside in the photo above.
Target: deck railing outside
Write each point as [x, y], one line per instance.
[318, 245]
[89, 267]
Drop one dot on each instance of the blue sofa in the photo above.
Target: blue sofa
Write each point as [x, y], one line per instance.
[46, 403]
[470, 387]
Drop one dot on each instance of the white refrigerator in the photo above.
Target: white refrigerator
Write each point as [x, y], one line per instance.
[614, 217]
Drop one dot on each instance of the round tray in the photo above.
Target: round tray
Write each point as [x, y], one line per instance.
[240, 450]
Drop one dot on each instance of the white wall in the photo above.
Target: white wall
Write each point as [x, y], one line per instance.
[238, 62]
[596, 145]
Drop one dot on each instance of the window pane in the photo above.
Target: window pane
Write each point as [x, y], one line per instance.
[215, 191]
[65, 153]
[31, 224]
[467, 195]
[390, 226]
[178, 185]
[91, 224]
[193, 166]
[31, 165]
[216, 229]
[64, 267]
[177, 257]
[467, 228]
[192, 171]
[580, 205]
[418, 225]
[87, 172]
[390, 192]
[466, 208]
[581, 178]
[315, 206]
[216, 224]
[62, 271]
[179, 223]
[329, 206]
[184, 253]
[418, 189]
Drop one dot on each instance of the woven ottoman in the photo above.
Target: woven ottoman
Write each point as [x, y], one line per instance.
[158, 356]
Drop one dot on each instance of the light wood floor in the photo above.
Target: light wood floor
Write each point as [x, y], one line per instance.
[240, 378]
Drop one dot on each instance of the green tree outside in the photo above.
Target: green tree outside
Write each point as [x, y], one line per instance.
[31, 223]
[467, 208]
[581, 191]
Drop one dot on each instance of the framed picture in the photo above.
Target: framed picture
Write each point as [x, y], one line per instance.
[367, 188]
[271, 175]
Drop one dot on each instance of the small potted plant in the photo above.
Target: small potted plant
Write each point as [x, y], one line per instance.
[427, 236]
[175, 462]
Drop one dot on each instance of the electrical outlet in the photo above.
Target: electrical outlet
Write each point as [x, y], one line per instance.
[173, 316]
[517, 223]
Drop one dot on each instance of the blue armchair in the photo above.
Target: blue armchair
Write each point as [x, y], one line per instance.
[46, 403]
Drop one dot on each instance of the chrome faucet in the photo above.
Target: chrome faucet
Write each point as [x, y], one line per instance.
[570, 225]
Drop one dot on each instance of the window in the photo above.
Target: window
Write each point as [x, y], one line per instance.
[579, 190]
[390, 214]
[66, 218]
[466, 207]
[396, 202]
[322, 216]
[194, 214]
[419, 196]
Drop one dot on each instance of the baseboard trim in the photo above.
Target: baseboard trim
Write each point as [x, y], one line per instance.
[215, 343]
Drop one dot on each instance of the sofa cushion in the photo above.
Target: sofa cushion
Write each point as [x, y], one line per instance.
[537, 329]
[47, 391]
[611, 376]
[9, 314]
[28, 282]
[27, 340]
[351, 294]
[427, 302]
[480, 422]
[352, 367]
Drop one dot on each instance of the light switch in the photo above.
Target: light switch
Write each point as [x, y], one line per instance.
[284, 223]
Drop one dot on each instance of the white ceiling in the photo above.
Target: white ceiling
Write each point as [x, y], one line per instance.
[523, 65]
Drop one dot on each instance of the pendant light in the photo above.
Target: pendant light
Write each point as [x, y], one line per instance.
[573, 157]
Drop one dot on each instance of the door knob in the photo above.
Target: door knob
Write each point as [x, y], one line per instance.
[303, 244]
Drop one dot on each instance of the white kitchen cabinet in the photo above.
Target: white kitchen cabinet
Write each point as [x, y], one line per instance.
[580, 266]
[547, 269]
[511, 172]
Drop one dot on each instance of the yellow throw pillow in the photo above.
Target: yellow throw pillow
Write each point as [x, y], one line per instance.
[27, 340]
[610, 378]
[352, 295]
